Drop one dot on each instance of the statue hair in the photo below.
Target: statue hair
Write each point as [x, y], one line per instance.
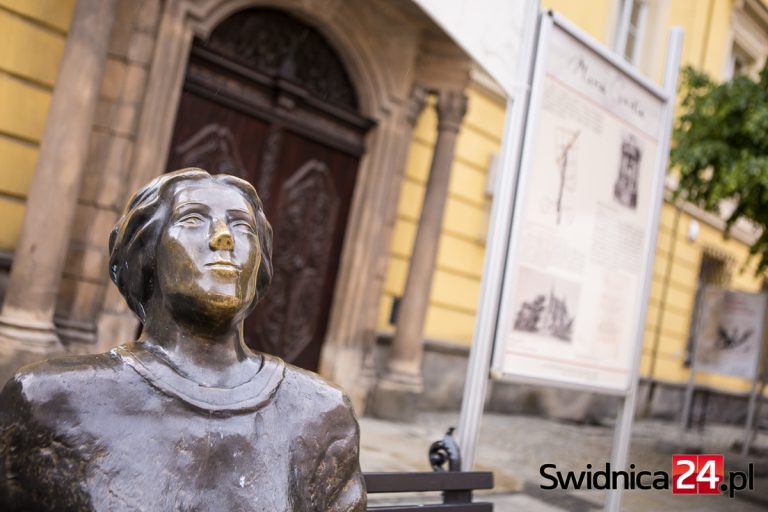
[133, 240]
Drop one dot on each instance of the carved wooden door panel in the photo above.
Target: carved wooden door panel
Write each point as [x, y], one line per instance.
[214, 138]
[308, 205]
[300, 153]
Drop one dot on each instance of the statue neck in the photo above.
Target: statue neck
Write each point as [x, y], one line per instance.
[209, 358]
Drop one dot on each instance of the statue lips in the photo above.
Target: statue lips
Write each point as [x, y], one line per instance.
[224, 268]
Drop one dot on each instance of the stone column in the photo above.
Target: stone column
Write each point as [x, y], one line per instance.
[397, 391]
[346, 357]
[26, 319]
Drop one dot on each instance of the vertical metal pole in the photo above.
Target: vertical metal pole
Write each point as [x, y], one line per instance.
[626, 414]
[690, 386]
[758, 406]
[745, 445]
[478, 367]
[753, 403]
[662, 310]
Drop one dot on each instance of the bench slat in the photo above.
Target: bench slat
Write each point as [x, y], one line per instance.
[446, 507]
[428, 481]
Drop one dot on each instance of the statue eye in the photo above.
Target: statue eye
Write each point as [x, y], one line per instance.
[190, 219]
[243, 226]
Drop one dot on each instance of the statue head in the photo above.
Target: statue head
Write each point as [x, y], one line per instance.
[196, 244]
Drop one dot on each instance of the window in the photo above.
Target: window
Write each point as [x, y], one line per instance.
[741, 62]
[630, 28]
[749, 39]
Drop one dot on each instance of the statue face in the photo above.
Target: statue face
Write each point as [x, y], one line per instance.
[209, 253]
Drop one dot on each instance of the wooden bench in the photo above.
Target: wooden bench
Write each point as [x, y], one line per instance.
[456, 485]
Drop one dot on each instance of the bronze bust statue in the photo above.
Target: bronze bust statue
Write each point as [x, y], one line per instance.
[186, 417]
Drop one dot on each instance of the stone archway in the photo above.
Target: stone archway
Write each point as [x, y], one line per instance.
[382, 73]
[393, 53]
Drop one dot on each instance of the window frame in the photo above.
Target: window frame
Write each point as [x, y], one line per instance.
[626, 29]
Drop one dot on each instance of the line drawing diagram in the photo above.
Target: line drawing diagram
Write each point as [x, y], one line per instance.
[566, 144]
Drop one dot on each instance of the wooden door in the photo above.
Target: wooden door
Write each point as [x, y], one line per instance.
[254, 118]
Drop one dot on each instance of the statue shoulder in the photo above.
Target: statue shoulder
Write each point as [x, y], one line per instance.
[53, 379]
[330, 442]
[321, 393]
[41, 408]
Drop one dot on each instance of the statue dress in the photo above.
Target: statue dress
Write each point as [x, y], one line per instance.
[125, 431]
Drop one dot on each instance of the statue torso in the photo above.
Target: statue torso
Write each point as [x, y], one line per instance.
[115, 432]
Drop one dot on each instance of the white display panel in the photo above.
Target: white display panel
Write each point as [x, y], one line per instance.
[588, 188]
[730, 332]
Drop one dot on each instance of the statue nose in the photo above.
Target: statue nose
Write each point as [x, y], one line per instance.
[222, 238]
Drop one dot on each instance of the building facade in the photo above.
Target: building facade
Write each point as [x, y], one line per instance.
[721, 38]
[372, 139]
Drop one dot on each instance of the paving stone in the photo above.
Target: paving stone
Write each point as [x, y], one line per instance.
[515, 447]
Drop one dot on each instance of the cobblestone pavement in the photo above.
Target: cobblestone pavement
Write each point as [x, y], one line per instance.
[514, 448]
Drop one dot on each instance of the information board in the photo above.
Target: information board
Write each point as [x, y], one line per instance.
[730, 332]
[575, 271]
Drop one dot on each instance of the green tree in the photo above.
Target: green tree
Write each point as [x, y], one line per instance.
[720, 149]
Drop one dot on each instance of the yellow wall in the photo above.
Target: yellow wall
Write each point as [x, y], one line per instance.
[674, 248]
[32, 35]
[457, 281]
[706, 25]
[592, 17]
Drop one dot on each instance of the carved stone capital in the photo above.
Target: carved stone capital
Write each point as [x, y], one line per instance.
[451, 107]
[416, 103]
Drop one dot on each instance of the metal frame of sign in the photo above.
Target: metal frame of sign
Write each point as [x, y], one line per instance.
[515, 155]
[756, 390]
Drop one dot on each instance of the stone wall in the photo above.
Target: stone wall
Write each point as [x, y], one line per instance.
[85, 281]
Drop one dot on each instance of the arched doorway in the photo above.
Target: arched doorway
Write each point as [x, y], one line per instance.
[267, 98]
